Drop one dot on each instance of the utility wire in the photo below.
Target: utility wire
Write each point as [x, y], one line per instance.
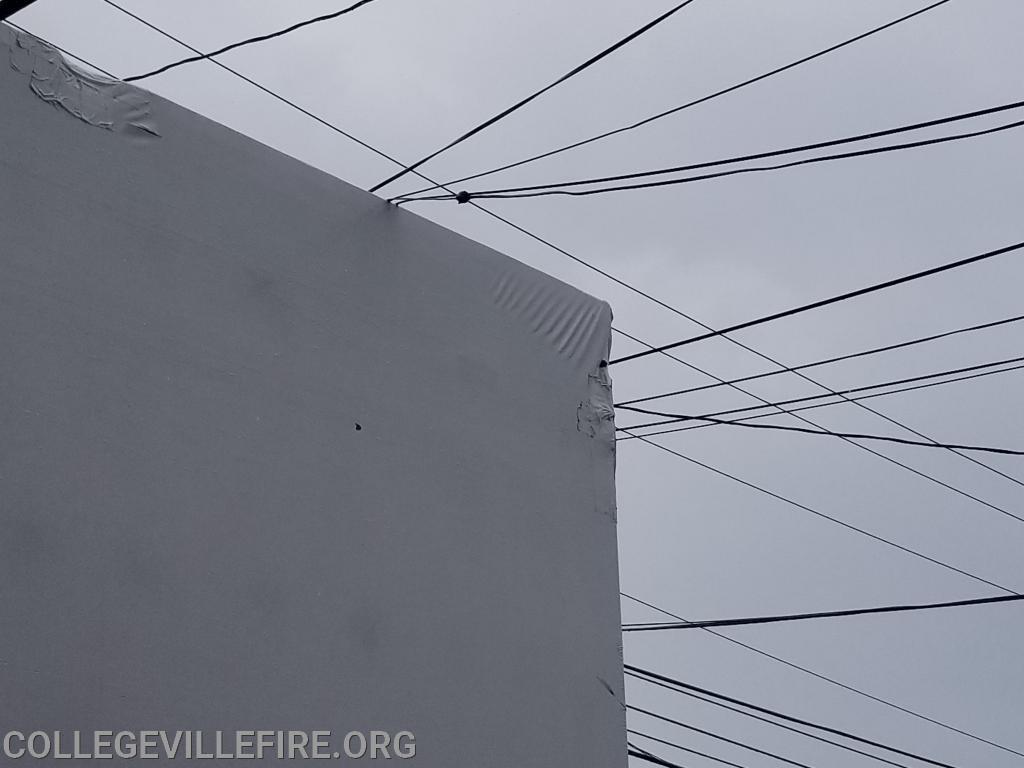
[746, 158]
[675, 418]
[788, 718]
[824, 516]
[825, 302]
[547, 190]
[518, 105]
[648, 627]
[824, 678]
[848, 400]
[830, 360]
[755, 716]
[689, 104]
[718, 736]
[849, 435]
[855, 401]
[682, 748]
[249, 41]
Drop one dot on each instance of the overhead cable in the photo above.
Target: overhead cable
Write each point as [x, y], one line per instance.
[826, 302]
[522, 103]
[830, 360]
[788, 718]
[656, 627]
[687, 105]
[249, 41]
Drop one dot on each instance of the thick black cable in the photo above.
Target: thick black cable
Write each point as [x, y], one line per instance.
[249, 41]
[824, 678]
[753, 715]
[788, 718]
[824, 516]
[647, 757]
[845, 401]
[670, 418]
[830, 360]
[825, 302]
[849, 435]
[818, 615]
[686, 105]
[717, 736]
[681, 748]
[522, 103]
[504, 192]
[465, 197]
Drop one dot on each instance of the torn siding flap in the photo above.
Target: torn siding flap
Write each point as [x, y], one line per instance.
[108, 104]
[595, 417]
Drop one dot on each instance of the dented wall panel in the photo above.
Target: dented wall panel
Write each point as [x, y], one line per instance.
[279, 455]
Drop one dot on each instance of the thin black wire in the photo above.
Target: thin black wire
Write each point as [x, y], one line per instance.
[682, 748]
[754, 716]
[268, 91]
[830, 360]
[786, 369]
[687, 105]
[859, 436]
[464, 197]
[826, 302]
[719, 737]
[249, 41]
[829, 680]
[846, 401]
[745, 158]
[788, 718]
[518, 105]
[655, 627]
[824, 516]
[675, 418]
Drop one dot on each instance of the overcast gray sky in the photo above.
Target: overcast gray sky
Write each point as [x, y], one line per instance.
[409, 75]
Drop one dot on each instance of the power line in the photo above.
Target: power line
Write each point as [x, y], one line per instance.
[824, 516]
[825, 302]
[845, 401]
[824, 678]
[788, 718]
[830, 360]
[719, 737]
[465, 197]
[755, 716]
[689, 104]
[506, 112]
[849, 435]
[819, 615]
[249, 41]
[675, 418]
[683, 749]
[746, 158]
